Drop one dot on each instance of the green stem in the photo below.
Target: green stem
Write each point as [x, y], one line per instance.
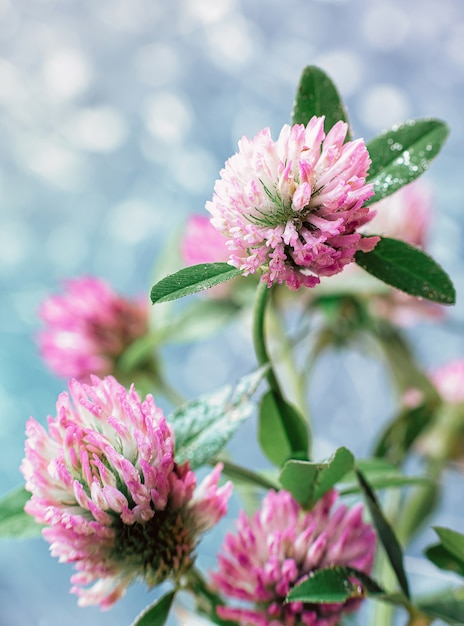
[292, 427]
[206, 599]
[417, 618]
[237, 472]
[259, 339]
[294, 379]
[382, 612]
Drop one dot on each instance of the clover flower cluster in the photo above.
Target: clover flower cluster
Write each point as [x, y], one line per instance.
[87, 327]
[292, 208]
[114, 502]
[280, 546]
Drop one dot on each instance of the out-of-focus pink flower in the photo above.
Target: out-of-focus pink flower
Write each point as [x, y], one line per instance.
[449, 380]
[104, 482]
[444, 438]
[291, 208]
[202, 243]
[278, 547]
[406, 214]
[88, 327]
[405, 310]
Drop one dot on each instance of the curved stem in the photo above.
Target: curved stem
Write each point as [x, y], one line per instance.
[259, 339]
[294, 379]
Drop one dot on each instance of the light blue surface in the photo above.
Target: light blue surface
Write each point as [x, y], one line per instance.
[116, 117]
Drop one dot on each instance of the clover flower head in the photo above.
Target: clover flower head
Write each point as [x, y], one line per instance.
[113, 500]
[280, 546]
[292, 208]
[88, 327]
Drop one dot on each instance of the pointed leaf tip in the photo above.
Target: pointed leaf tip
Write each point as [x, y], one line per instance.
[191, 280]
[157, 613]
[403, 153]
[386, 534]
[317, 95]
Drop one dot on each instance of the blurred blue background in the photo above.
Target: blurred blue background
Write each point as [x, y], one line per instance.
[116, 117]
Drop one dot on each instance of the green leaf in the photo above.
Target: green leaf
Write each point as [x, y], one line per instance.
[192, 279]
[386, 534]
[308, 481]
[402, 154]
[333, 584]
[452, 541]
[157, 613]
[448, 606]
[203, 426]
[409, 269]
[14, 521]
[402, 432]
[317, 95]
[282, 430]
[444, 559]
